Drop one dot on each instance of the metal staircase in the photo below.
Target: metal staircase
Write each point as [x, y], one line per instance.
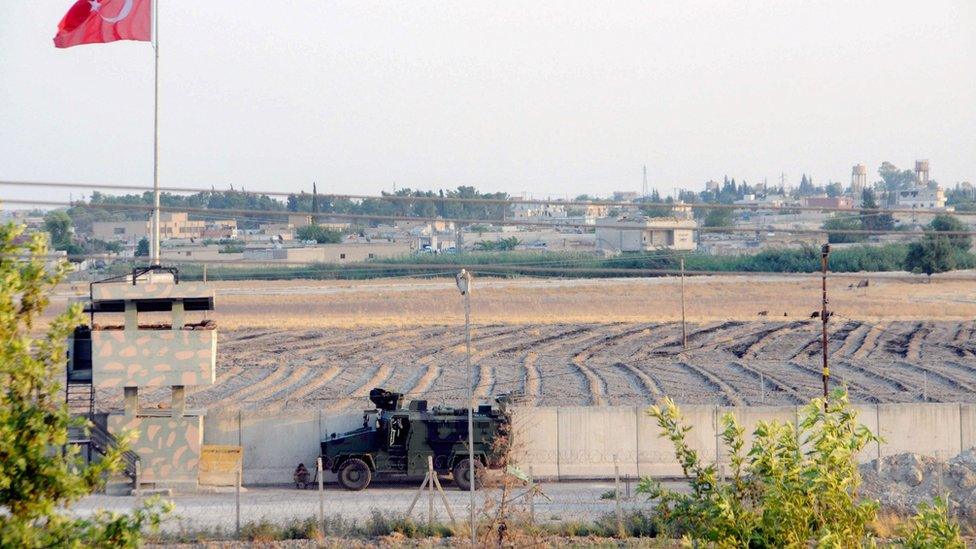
[97, 440]
[79, 396]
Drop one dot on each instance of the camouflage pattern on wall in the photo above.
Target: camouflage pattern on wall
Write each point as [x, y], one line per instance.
[168, 447]
[153, 358]
[126, 291]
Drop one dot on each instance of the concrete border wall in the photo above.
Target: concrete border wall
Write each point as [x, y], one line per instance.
[583, 442]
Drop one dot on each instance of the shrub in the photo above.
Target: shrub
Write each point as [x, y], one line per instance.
[794, 485]
[319, 234]
[39, 480]
[932, 527]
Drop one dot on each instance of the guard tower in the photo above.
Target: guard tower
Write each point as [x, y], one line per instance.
[139, 337]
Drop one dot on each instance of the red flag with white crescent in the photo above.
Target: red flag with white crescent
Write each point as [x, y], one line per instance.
[101, 21]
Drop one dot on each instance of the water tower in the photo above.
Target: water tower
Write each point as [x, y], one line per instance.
[922, 172]
[859, 178]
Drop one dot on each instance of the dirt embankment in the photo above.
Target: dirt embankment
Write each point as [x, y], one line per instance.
[907, 480]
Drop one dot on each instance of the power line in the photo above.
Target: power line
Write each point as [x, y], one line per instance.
[504, 222]
[483, 201]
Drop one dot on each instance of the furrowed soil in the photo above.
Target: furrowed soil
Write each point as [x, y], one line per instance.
[750, 341]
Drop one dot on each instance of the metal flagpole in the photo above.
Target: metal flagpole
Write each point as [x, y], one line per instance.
[154, 259]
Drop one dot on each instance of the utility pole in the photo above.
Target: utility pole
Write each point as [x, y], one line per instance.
[464, 285]
[684, 332]
[824, 317]
[644, 185]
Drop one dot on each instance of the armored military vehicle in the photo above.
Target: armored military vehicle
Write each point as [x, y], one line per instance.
[395, 442]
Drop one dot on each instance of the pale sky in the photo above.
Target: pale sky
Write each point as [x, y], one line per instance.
[545, 98]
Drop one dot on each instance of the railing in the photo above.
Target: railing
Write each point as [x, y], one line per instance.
[102, 441]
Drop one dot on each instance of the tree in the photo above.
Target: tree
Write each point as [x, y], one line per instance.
[843, 222]
[934, 254]
[874, 220]
[806, 186]
[947, 223]
[36, 483]
[142, 250]
[57, 223]
[835, 189]
[319, 234]
[719, 217]
[895, 179]
[501, 245]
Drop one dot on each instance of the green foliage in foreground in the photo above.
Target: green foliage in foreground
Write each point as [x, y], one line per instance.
[932, 527]
[795, 487]
[37, 480]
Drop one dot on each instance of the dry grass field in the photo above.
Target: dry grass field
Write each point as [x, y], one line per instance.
[323, 345]
[407, 302]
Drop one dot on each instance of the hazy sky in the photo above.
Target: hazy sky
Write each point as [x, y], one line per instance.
[546, 98]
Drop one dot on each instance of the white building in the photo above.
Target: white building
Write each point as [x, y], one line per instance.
[538, 212]
[922, 198]
[638, 234]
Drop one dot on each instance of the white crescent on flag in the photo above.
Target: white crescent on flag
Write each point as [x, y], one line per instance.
[123, 13]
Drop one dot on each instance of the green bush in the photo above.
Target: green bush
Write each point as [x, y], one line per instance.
[844, 222]
[932, 527]
[39, 480]
[319, 234]
[795, 486]
[380, 524]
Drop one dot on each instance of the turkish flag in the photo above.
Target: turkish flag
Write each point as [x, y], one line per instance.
[101, 21]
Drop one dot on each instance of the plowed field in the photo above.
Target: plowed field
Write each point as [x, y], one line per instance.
[587, 343]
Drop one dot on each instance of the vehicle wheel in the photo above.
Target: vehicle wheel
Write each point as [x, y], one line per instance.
[462, 475]
[354, 474]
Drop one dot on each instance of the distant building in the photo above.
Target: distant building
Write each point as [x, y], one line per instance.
[171, 225]
[625, 196]
[220, 229]
[921, 197]
[637, 234]
[424, 227]
[682, 211]
[596, 210]
[540, 212]
[771, 200]
[299, 220]
[842, 202]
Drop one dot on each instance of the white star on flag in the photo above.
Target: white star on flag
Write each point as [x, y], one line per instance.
[95, 5]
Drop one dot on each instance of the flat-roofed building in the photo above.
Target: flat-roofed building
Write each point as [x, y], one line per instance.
[841, 202]
[921, 197]
[171, 225]
[638, 234]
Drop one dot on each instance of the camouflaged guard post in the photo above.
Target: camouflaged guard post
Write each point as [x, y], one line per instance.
[175, 354]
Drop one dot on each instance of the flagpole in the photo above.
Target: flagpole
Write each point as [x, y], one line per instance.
[155, 223]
